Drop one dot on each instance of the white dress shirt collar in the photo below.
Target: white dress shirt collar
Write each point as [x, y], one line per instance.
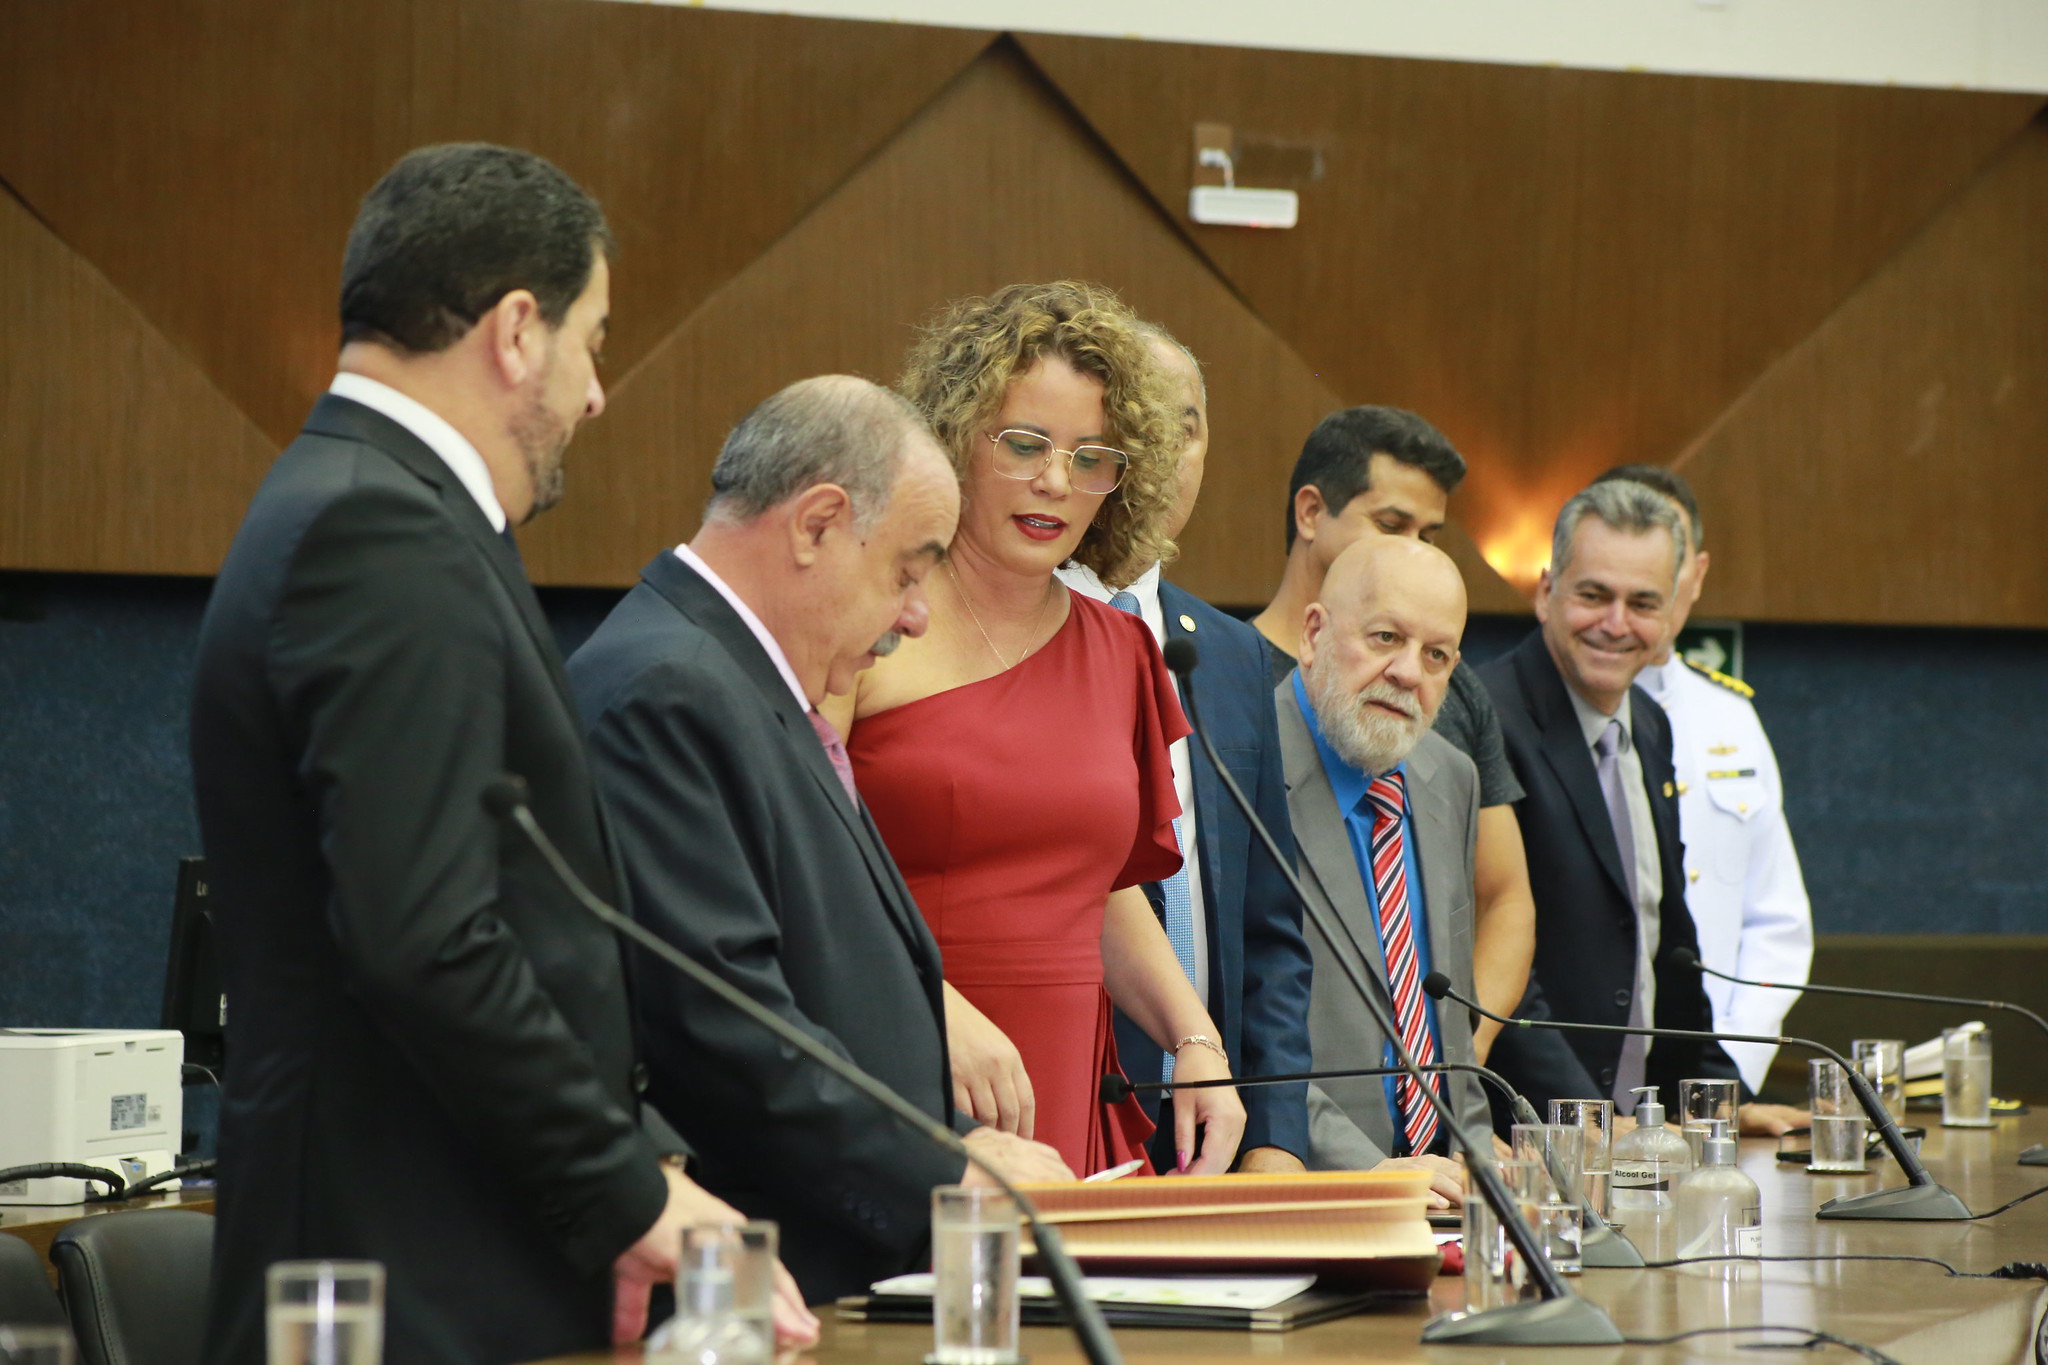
[746, 614]
[1593, 724]
[444, 440]
[1083, 580]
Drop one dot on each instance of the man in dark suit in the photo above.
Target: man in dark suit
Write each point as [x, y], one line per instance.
[1386, 815]
[746, 845]
[1242, 935]
[432, 1058]
[1600, 817]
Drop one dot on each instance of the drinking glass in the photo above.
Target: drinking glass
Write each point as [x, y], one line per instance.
[1838, 1119]
[1493, 1273]
[1884, 1064]
[1595, 1118]
[36, 1344]
[1966, 1078]
[1701, 1101]
[1552, 1212]
[325, 1313]
[974, 1266]
[724, 1316]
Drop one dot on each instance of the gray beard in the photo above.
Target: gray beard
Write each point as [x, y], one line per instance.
[886, 646]
[1368, 741]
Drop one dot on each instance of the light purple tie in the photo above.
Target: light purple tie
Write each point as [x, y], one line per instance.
[1634, 1060]
[1609, 767]
[836, 751]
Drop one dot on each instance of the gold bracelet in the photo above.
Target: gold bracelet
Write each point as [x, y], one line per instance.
[1206, 1041]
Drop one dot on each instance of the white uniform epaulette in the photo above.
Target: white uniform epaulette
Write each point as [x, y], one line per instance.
[1735, 685]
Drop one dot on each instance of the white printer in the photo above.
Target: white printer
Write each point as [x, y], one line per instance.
[110, 1098]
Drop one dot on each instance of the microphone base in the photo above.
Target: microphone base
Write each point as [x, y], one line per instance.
[1569, 1321]
[1606, 1248]
[2036, 1155]
[1907, 1204]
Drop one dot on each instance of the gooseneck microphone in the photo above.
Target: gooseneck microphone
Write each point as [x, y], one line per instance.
[2036, 1155]
[505, 798]
[1558, 1317]
[1686, 957]
[1921, 1200]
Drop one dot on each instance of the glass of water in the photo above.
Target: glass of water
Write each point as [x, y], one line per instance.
[326, 1313]
[717, 1320]
[1966, 1077]
[1884, 1065]
[974, 1268]
[1595, 1118]
[1550, 1209]
[36, 1344]
[1702, 1101]
[1838, 1119]
[1494, 1274]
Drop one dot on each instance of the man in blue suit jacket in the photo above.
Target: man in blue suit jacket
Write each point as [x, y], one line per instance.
[1251, 963]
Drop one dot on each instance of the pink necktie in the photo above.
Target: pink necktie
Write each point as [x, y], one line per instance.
[836, 751]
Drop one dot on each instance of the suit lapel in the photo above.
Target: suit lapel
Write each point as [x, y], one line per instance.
[1320, 837]
[1438, 858]
[1209, 797]
[700, 603]
[1566, 751]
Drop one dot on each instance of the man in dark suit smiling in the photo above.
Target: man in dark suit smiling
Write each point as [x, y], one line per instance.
[1600, 815]
[433, 1063]
[746, 844]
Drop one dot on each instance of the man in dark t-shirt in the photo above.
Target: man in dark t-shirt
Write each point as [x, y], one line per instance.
[1380, 470]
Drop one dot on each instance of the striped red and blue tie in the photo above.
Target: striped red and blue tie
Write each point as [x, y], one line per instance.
[1397, 937]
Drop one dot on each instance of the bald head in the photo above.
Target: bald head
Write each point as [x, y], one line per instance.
[1377, 651]
[1191, 397]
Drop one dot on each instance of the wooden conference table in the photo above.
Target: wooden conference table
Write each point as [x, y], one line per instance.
[1912, 1312]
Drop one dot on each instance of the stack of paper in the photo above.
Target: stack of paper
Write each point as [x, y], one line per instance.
[1355, 1226]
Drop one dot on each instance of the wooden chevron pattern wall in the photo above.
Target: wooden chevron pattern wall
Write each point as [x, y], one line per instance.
[1827, 304]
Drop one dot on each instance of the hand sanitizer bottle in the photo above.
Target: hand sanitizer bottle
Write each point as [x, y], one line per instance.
[1720, 1211]
[1648, 1163]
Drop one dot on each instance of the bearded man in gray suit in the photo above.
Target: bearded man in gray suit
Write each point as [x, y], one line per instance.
[1385, 816]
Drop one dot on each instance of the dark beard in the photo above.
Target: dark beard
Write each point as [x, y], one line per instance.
[542, 439]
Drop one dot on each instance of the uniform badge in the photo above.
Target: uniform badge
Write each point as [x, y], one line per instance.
[1723, 749]
[1668, 789]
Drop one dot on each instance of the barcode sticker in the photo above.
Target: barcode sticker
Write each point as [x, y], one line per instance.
[129, 1111]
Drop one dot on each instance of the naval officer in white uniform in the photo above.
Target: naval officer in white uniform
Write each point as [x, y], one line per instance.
[1741, 872]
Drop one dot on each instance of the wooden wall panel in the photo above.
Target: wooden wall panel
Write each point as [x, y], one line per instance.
[1894, 467]
[706, 135]
[972, 196]
[1562, 269]
[115, 451]
[995, 182]
[207, 156]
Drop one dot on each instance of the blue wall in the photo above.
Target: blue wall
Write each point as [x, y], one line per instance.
[1914, 761]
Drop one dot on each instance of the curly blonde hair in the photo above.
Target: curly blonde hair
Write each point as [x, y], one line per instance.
[966, 358]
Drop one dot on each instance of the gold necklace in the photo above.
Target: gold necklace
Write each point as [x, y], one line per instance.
[975, 616]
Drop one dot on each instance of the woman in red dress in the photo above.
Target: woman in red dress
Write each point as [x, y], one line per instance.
[1015, 755]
